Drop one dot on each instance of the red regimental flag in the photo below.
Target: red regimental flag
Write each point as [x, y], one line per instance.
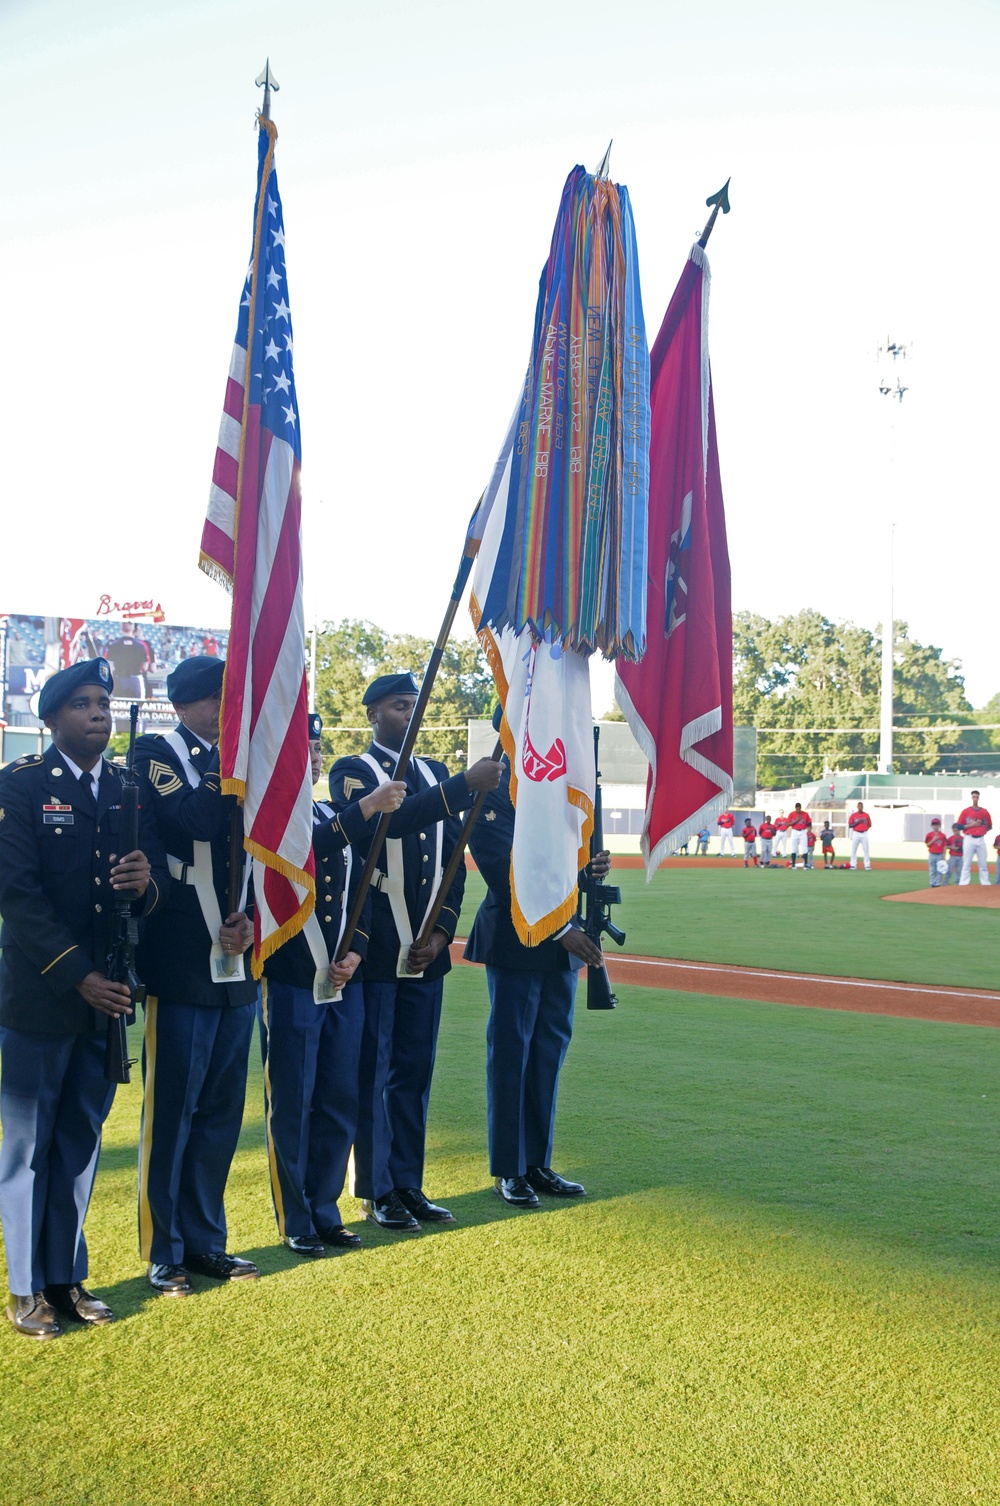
[678, 699]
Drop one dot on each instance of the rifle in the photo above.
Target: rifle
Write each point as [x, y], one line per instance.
[124, 926]
[596, 914]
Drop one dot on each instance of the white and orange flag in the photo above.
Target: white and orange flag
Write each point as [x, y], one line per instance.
[561, 569]
[678, 700]
[252, 544]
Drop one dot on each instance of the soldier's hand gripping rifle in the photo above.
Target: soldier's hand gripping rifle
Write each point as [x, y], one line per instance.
[124, 926]
[596, 899]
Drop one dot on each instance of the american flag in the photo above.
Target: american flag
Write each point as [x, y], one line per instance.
[252, 544]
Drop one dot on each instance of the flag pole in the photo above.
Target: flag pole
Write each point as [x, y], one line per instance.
[721, 201]
[409, 741]
[237, 835]
[267, 81]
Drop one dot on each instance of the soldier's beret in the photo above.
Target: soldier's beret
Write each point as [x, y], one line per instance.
[390, 685]
[196, 678]
[315, 726]
[57, 690]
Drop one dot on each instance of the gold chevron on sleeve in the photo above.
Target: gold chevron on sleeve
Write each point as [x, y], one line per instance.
[350, 785]
[163, 778]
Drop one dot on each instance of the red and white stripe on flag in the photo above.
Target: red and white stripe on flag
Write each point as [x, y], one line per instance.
[252, 543]
[678, 700]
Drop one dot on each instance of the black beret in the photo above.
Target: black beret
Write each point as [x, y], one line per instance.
[315, 726]
[390, 685]
[57, 690]
[195, 679]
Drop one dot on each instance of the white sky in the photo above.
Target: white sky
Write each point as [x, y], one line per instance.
[422, 150]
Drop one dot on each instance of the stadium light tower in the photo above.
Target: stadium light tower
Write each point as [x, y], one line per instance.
[894, 352]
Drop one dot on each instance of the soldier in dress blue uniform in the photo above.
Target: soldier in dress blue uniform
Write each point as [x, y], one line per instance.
[60, 859]
[402, 1012]
[532, 993]
[312, 1018]
[201, 997]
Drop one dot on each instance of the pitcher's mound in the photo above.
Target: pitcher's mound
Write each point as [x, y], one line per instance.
[976, 896]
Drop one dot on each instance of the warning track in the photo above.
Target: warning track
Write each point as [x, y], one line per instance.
[957, 1006]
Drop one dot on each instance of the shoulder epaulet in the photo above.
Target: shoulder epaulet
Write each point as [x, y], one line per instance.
[28, 761]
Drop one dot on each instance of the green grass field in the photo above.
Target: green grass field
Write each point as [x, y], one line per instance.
[784, 1286]
[830, 923]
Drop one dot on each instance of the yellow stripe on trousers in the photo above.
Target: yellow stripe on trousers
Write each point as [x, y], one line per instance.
[146, 1130]
[279, 1204]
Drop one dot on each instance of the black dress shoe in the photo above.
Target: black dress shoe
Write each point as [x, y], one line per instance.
[340, 1238]
[76, 1302]
[170, 1280]
[544, 1179]
[422, 1208]
[34, 1316]
[389, 1213]
[516, 1191]
[305, 1244]
[222, 1267]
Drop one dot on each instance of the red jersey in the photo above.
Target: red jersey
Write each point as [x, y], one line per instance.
[800, 820]
[955, 844]
[811, 839]
[936, 841]
[975, 821]
[749, 833]
[727, 819]
[781, 824]
[996, 842]
[860, 821]
[767, 831]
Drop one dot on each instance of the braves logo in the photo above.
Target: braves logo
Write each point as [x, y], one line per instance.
[675, 585]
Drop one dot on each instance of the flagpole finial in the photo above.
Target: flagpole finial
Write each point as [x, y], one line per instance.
[266, 80]
[721, 201]
[604, 166]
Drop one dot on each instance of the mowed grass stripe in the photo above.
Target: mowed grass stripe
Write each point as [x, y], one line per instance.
[782, 1288]
[834, 923]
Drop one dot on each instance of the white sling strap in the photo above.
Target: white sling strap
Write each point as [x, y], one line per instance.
[393, 885]
[324, 990]
[224, 968]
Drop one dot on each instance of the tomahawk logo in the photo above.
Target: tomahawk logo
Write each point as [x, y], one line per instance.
[675, 585]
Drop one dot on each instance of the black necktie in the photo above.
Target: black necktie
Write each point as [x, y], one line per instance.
[90, 788]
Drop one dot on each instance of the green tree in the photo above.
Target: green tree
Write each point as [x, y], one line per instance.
[807, 671]
[352, 652]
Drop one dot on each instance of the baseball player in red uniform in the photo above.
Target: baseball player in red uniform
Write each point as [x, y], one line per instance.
[799, 823]
[766, 838]
[725, 823]
[996, 849]
[860, 824]
[781, 828]
[937, 847]
[749, 835]
[975, 822]
[810, 845]
[955, 845]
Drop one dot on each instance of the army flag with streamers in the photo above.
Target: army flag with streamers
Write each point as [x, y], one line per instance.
[679, 700]
[252, 544]
[561, 532]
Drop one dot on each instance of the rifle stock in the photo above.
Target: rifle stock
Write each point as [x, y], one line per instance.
[124, 926]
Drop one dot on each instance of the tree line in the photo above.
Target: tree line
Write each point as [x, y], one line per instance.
[807, 671]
